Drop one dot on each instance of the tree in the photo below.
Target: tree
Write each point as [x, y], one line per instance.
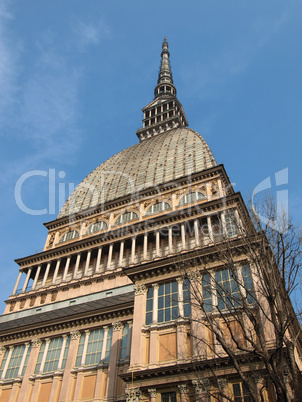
[240, 292]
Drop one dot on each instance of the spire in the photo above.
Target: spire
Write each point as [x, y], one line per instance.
[165, 112]
[165, 74]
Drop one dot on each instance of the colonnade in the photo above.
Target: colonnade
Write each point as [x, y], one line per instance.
[159, 243]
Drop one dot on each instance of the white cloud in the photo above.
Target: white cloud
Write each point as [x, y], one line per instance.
[88, 34]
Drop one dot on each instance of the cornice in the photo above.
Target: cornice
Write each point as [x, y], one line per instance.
[196, 365]
[204, 174]
[82, 321]
[122, 233]
[192, 258]
[73, 284]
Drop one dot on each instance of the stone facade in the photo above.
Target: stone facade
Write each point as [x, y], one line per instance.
[90, 321]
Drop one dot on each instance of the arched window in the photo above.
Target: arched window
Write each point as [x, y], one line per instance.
[126, 217]
[96, 227]
[158, 207]
[73, 234]
[191, 197]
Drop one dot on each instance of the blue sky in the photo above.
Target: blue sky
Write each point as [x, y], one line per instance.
[74, 76]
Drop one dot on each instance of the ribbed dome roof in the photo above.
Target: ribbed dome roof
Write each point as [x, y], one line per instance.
[157, 160]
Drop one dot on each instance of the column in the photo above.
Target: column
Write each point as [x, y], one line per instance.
[155, 302]
[47, 342]
[26, 280]
[23, 359]
[129, 339]
[196, 233]
[201, 388]
[46, 274]
[98, 260]
[222, 384]
[170, 240]
[210, 230]
[110, 256]
[180, 297]
[139, 321]
[103, 355]
[11, 348]
[17, 282]
[157, 243]
[16, 387]
[152, 393]
[30, 368]
[66, 269]
[2, 353]
[36, 277]
[112, 369]
[183, 392]
[224, 231]
[55, 388]
[70, 363]
[220, 188]
[75, 273]
[183, 236]
[121, 256]
[65, 337]
[87, 262]
[209, 194]
[87, 333]
[133, 249]
[145, 248]
[56, 271]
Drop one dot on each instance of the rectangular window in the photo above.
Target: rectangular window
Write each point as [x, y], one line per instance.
[227, 290]
[108, 345]
[241, 393]
[186, 298]
[167, 306]
[230, 223]
[168, 397]
[94, 347]
[206, 293]
[15, 361]
[149, 306]
[124, 342]
[53, 355]
[167, 302]
[248, 283]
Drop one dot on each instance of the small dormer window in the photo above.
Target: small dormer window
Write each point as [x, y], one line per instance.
[168, 89]
[97, 227]
[162, 89]
[71, 235]
[158, 207]
[126, 217]
[191, 197]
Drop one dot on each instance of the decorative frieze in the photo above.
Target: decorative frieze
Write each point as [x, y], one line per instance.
[36, 343]
[133, 394]
[75, 334]
[182, 388]
[222, 383]
[140, 289]
[117, 326]
[201, 386]
[152, 392]
[194, 276]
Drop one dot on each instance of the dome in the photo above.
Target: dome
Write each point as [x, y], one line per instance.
[154, 161]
